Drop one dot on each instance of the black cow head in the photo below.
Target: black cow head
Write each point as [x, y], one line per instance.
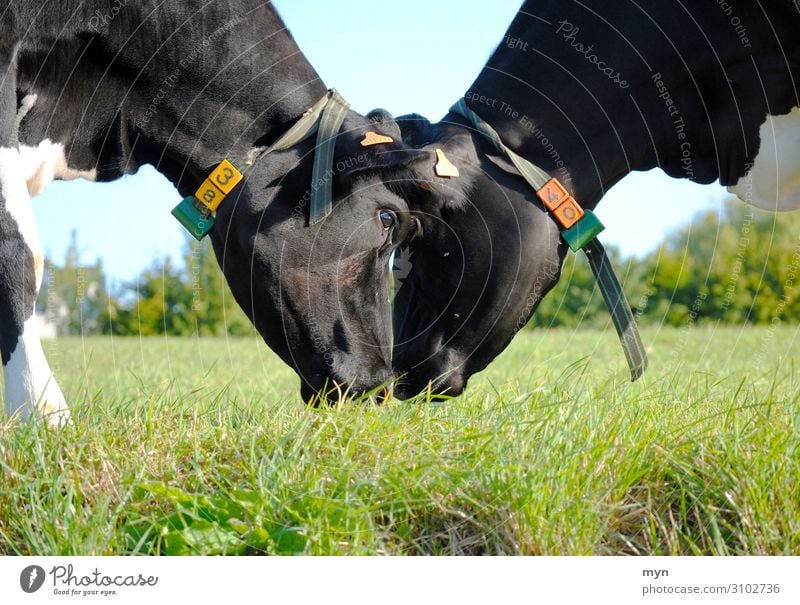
[687, 93]
[319, 294]
[487, 255]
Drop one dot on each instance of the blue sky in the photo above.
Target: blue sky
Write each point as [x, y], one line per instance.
[419, 59]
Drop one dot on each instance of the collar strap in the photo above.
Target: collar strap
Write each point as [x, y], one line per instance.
[579, 229]
[324, 118]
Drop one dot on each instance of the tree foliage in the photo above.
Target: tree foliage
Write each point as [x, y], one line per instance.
[190, 298]
[72, 297]
[738, 266]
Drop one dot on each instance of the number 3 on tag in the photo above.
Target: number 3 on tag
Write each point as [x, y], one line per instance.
[225, 177]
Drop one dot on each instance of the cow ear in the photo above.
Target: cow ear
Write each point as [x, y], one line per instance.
[417, 130]
[429, 166]
[385, 123]
[447, 165]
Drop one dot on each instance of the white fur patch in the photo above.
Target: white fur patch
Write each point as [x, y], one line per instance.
[47, 162]
[30, 384]
[773, 182]
[25, 107]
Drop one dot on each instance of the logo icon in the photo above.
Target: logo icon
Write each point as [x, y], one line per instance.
[31, 578]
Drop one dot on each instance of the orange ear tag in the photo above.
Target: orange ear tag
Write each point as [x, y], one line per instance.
[444, 167]
[373, 138]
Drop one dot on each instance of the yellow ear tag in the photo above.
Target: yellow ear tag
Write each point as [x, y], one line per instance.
[444, 167]
[373, 138]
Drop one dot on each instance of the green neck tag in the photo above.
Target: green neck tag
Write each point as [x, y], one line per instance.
[194, 216]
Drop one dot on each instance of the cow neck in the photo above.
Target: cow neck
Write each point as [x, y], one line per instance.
[325, 118]
[579, 229]
[592, 91]
[187, 163]
[569, 143]
[240, 95]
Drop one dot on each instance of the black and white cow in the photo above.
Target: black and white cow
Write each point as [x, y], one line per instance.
[96, 89]
[589, 91]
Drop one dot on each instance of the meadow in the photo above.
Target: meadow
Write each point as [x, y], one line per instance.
[183, 446]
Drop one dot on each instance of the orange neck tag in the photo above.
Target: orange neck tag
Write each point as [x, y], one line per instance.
[444, 167]
[373, 138]
[560, 203]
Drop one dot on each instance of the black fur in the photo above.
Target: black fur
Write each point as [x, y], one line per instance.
[184, 84]
[17, 277]
[18, 284]
[478, 275]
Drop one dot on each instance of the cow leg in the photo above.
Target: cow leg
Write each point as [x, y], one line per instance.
[29, 383]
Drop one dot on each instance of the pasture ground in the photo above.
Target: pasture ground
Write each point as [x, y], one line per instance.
[187, 446]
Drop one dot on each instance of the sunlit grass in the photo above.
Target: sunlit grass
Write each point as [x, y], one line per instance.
[186, 446]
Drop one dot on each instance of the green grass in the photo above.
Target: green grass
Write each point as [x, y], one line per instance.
[186, 446]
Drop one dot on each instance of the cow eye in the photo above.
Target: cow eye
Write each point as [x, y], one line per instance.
[388, 219]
